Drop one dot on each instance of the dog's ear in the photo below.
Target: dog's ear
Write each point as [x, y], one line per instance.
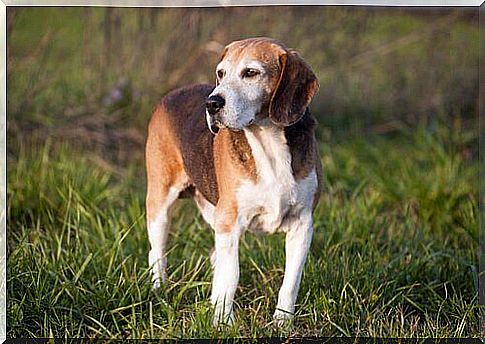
[294, 90]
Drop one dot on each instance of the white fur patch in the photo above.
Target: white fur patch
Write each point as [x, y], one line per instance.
[270, 204]
[226, 275]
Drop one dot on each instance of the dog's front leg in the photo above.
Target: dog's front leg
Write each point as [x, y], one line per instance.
[298, 240]
[226, 274]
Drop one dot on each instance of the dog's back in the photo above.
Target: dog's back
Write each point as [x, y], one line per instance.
[183, 140]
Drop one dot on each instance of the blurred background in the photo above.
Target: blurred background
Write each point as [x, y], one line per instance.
[91, 76]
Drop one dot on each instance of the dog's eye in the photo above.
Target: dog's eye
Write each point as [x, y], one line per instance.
[220, 73]
[249, 73]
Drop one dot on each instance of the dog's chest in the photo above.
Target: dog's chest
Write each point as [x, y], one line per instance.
[272, 201]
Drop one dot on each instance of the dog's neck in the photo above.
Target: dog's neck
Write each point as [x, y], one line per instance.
[298, 138]
[270, 152]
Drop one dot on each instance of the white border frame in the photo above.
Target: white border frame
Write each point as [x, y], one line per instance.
[140, 3]
[3, 172]
[218, 3]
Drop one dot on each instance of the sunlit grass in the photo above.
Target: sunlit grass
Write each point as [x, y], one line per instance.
[394, 252]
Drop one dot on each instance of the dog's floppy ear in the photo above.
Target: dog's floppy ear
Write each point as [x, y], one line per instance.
[295, 89]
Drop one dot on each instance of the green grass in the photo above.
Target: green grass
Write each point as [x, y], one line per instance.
[394, 251]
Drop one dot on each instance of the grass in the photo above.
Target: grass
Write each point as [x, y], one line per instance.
[394, 252]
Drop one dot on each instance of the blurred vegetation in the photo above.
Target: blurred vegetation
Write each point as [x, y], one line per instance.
[396, 230]
[380, 69]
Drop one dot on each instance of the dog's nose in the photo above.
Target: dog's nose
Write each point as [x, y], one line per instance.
[214, 104]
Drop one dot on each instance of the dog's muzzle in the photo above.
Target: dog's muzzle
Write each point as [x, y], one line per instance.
[213, 105]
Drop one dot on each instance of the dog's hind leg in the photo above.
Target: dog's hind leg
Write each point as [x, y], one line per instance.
[166, 179]
[159, 206]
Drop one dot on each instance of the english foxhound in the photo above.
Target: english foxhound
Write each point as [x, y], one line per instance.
[245, 151]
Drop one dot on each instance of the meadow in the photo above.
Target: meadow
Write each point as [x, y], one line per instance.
[395, 247]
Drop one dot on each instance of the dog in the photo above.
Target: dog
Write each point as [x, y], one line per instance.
[246, 153]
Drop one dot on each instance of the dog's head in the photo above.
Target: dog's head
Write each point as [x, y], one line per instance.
[259, 78]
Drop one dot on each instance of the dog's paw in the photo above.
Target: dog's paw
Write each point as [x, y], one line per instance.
[282, 319]
[156, 284]
[221, 319]
[158, 280]
[158, 269]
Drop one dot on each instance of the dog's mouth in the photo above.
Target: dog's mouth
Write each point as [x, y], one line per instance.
[216, 125]
[212, 123]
